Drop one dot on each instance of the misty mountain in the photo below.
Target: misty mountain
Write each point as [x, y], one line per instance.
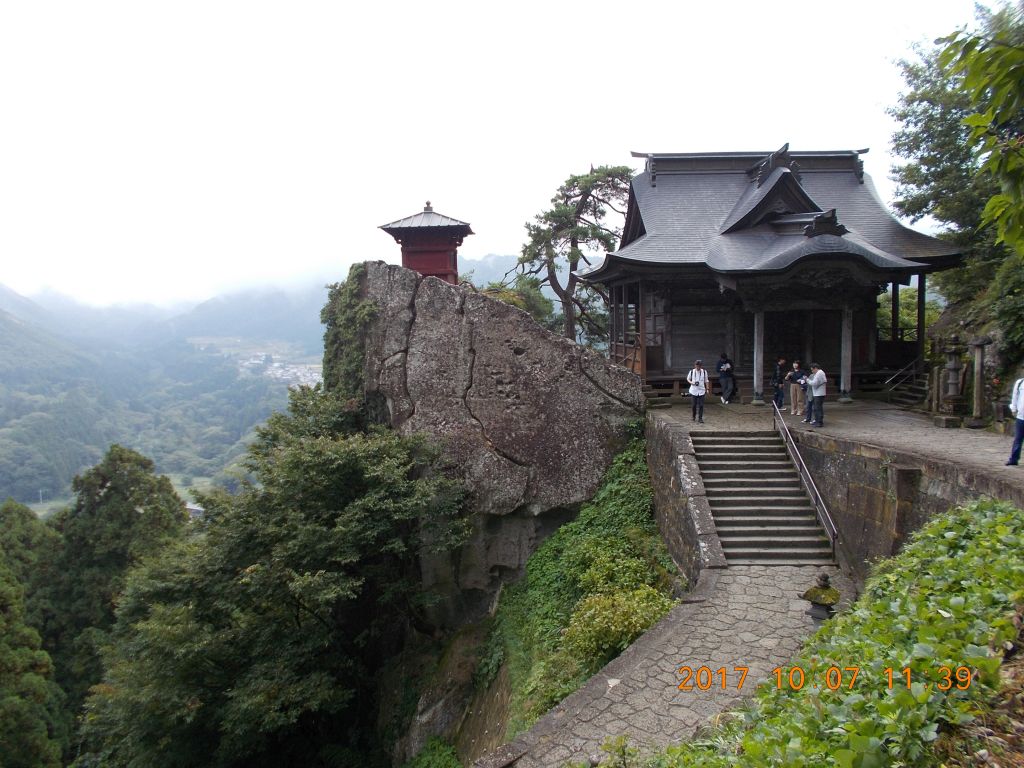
[17, 306]
[258, 314]
[76, 378]
[261, 314]
[490, 269]
[116, 324]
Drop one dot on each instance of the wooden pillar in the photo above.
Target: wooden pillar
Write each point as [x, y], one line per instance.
[641, 331]
[730, 334]
[846, 356]
[808, 340]
[895, 319]
[921, 289]
[613, 338]
[873, 338]
[758, 358]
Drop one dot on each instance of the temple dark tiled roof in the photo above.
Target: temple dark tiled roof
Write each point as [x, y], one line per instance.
[737, 212]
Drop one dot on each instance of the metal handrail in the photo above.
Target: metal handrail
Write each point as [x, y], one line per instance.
[805, 476]
[912, 365]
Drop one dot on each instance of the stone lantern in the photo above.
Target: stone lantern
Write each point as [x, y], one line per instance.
[951, 406]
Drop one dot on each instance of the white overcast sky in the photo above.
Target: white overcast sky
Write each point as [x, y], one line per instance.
[158, 151]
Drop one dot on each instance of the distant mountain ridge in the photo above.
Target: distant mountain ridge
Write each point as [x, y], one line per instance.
[75, 378]
[259, 313]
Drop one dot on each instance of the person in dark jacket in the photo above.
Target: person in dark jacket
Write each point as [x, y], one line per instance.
[726, 377]
[778, 381]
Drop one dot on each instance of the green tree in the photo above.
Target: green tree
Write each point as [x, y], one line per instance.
[579, 225]
[908, 313]
[123, 512]
[945, 177]
[257, 640]
[26, 734]
[31, 546]
[525, 293]
[940, 178]
[991, 65]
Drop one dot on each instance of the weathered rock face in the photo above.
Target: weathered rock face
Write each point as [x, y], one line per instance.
[530, 419]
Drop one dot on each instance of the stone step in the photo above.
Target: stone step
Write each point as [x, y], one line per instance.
[768, 534]
[792, 494]
[737, 463]
[763, 561]
[704, 440]
[752, 473]
[748, 507]
[774, 541]
[749, 497]
[715, 451]
[753, 483]
[733, 555]
[904, 398]
[755, 511]
[759, 525]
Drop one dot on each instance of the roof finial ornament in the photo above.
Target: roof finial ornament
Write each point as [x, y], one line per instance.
[826, 223]
[778, 159]
[427, 208]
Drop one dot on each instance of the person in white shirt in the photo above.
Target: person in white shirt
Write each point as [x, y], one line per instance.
[816, 388]
[698, 380]
[1017, 409]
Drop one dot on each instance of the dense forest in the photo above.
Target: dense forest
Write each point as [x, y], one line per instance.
[253, 635]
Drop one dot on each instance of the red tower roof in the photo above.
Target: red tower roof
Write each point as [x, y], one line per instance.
[427, 219]
[430, 242]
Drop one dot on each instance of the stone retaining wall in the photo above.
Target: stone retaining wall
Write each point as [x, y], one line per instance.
[879, 496]
[680, 502]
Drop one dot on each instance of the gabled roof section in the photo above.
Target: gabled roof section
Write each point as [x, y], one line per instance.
[428, 218]
[746, 212]
[778, 193]
[633, 228]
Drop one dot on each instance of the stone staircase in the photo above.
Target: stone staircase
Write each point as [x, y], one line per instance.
[912, 392]
[761, 511]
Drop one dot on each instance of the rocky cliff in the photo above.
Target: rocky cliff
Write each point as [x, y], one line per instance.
[529, 419]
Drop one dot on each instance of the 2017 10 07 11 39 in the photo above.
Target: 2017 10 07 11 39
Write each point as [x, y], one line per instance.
[705, 678]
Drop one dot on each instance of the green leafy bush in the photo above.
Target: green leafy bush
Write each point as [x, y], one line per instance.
[436, 754]
[606, 623]
[947, 601]
[594, 586]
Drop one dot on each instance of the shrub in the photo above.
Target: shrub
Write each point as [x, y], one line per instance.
[606, 623]
[594, 586]
[436, 754]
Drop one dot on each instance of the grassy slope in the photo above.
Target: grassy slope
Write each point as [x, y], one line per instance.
[589, 591]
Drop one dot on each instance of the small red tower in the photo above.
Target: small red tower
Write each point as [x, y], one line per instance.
[429, 243]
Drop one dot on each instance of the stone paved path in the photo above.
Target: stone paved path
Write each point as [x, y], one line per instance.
[748, 616]
[740, 616]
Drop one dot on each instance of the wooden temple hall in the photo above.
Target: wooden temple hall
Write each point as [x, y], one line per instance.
[761, 254]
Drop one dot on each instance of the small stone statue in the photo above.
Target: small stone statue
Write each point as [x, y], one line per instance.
[822, 597]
